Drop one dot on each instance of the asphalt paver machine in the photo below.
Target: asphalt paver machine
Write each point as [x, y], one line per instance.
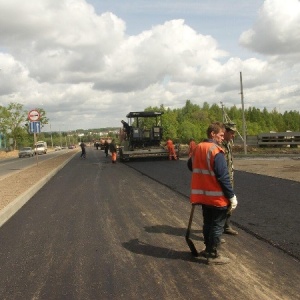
[144, 137]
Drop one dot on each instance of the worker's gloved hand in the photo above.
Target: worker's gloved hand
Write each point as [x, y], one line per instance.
[233, 203]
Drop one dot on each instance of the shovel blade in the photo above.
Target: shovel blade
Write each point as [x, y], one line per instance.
[191, 246]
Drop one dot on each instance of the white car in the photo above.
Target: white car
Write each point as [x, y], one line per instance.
[26, 151]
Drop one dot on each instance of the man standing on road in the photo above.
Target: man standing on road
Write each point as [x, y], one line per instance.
[83, 152]
[106, 146]
[230, 130]
[113, 151]
[211, 188]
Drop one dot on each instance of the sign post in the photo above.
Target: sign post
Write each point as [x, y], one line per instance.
[35, 127]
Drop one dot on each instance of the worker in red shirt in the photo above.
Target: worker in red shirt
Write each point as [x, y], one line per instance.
[171, 149]
[192, 146]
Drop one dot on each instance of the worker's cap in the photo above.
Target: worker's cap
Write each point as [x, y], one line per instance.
[230, 126]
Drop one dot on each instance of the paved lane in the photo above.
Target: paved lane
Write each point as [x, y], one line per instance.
[268, 207]
[102, 231]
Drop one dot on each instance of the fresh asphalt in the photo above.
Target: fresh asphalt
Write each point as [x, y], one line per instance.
[268, 207]
[102, 231]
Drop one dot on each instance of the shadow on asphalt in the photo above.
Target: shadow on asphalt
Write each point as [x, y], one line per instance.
[195, 234]
[139, 247]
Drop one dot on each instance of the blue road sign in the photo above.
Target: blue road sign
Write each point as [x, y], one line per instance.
[35, 127]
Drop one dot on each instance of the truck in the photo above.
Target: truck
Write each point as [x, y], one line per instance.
[144, 138]
[40, 147]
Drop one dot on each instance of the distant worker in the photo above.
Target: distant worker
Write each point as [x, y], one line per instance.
[126, 129]
[210, 187]
[171, 149]
[230, 130]
[83, 152]
[113, 151]
[192, 146]
[106, 147]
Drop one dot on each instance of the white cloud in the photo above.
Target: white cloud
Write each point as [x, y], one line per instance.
[277, 29]
[86, 72]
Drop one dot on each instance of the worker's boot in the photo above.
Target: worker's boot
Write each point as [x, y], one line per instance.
[203, 253]
[227, 228]
[230, 230]
[214, 258]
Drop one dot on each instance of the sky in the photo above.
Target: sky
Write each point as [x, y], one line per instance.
[88, 63]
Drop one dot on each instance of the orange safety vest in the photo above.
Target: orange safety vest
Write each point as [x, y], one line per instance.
[192, 146]
[170, 144]
[205, 188]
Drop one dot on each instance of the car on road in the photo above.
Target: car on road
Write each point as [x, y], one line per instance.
[57, 148]
[26, 151]
[41, 147]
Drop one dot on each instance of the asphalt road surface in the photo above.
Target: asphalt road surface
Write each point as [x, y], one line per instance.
[99, 230]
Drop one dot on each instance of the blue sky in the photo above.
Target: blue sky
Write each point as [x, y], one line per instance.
[89, 62]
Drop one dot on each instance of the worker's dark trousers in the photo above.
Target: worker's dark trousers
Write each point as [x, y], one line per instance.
[213, 226]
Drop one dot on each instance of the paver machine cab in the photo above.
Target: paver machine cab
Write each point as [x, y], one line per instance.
[145, 136]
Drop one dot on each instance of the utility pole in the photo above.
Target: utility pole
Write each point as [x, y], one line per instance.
[243, 111]
[223, 115]
[51, 136]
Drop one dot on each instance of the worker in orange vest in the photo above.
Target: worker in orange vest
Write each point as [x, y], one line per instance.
[113, 151]
[192, 146]
[211, 187]
[171, 149]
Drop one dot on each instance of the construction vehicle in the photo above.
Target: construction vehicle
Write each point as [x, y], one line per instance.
[144, 137]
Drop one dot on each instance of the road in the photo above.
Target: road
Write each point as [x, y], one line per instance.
[98, 230]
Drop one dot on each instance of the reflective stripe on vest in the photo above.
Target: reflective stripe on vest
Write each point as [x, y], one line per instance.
[207, 193]
[201, 171]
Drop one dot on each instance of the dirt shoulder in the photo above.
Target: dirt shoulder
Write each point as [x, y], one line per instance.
[284, 167]
[21, 182]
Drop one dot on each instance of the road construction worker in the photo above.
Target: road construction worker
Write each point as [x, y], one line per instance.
[83, 151]
[171, 149]
[192, 146]
[113, 151]
[126, 129]
[106, 147]
[230, 130]
[211, 187]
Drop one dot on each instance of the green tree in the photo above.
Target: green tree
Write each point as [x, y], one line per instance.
[12, 120]
[4, 114]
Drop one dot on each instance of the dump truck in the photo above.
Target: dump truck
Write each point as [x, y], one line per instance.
[144, 137]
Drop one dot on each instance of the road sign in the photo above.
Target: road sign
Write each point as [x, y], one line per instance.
[33, 115]
[35, 127]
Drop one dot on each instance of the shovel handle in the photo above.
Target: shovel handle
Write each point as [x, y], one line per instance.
[190, 222]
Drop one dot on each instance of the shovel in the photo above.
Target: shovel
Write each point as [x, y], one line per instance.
[187, 235]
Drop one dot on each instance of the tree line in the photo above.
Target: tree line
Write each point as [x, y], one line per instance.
[180, 124]
[192, 120]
